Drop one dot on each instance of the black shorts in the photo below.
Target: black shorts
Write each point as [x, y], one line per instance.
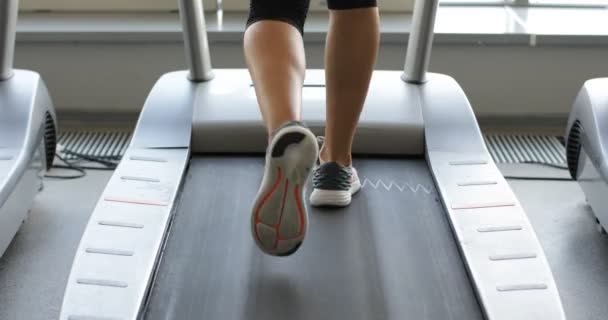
[294, 11]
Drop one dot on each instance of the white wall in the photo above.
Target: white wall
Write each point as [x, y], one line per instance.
[501, 81]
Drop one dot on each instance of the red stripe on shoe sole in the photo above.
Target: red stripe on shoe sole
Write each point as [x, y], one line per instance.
[300, 210]
[300, 216]
[264, 200]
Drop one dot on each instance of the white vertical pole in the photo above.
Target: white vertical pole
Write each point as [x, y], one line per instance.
[421, 41]
[196, 44]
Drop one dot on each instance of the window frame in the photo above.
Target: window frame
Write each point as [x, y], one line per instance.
[171, 5]
[242, 5]
[321, 5]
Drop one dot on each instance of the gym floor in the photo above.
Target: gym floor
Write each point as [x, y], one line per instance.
[34, 270]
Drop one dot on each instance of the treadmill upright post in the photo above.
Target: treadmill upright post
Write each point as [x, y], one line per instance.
[420, 42]
[8, 26]
[192, 15]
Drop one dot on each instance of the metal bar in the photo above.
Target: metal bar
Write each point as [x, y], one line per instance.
[523, 3]
[195, 40]
[8, 25]
[421, 41]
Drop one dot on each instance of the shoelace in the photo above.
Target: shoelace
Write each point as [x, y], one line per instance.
[320, 141]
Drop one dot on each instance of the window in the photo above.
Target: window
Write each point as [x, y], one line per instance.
[106, 5]
[572, 3]
[568, 3]
[474, 2]
[166, 5]
[320, 5]
[243, 5]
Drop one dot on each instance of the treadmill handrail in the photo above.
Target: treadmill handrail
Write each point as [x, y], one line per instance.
[8, 25]
[420, 41]
[416, 62]
[195, 40]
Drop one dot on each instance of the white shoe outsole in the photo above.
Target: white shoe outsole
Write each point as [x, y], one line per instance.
[279, 219]
[334, 198]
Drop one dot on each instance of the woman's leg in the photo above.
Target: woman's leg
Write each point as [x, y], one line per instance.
[350, 56]
[274, 51]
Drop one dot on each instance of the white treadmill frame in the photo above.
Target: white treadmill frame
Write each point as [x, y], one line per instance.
[115, 263]
[26, 113]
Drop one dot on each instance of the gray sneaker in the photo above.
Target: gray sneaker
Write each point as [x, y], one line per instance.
[334, 185]
[279, 218]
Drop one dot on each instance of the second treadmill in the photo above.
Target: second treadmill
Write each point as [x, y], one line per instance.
[28, 134]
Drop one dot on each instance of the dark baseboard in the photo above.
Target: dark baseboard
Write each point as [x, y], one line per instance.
[123, 120]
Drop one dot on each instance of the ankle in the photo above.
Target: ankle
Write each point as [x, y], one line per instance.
[322, 155]
[274, 129]
[343, 160]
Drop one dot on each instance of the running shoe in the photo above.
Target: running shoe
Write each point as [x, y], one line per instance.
[279, 218]
[334, 185]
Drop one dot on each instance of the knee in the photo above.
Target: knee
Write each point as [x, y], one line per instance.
[350, 4]
[290, 11]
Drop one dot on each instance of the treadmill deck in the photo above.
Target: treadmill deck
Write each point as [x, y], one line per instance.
[390, 255]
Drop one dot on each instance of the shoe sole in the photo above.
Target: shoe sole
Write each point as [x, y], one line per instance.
[333, 198]
[279, 219]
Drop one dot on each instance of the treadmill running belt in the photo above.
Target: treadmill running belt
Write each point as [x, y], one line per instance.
[390, 255]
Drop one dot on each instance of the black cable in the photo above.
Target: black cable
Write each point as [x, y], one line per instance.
[84, 168]
[68, 166]
[103, 160]
[108, 164]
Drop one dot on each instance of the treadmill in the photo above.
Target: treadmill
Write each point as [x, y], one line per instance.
[435, 233]
[27, 131]
[587, 146]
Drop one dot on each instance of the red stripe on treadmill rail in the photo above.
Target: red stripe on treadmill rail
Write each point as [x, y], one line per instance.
[136, 201]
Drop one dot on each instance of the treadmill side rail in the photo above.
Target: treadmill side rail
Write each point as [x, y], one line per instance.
[117, 256]
[122, 242]
[504, 258]
[166, 119]
[587, 145]
[24, 106]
